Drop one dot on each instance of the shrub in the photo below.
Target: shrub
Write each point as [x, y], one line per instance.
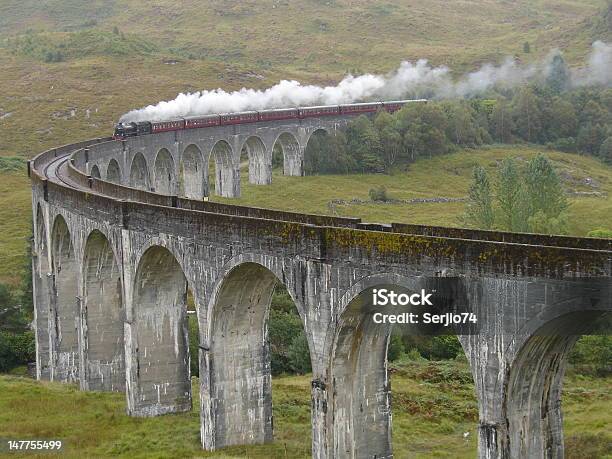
[605, 151]
[600, 232]
[434, 347]
[16, 349]
[395, 349]
[12, 163]
[586, 446]
[379, 194]
[592, 355]
[289, 352]
[284, 328]
[566, 144]
[298, 355]
[414, 355]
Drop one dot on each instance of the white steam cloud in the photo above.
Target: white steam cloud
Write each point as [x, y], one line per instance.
[417, 79]
[599, 68]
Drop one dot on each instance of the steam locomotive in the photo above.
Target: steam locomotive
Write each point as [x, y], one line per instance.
[123, 130]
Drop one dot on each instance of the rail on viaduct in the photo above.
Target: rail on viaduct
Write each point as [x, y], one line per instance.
[122, 234]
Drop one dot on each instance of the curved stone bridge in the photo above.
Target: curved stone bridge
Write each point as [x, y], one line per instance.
[114, 262]
[179, 163]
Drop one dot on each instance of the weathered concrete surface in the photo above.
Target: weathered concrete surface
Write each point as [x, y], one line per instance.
[41, 272]
[65, 359]
[102, 318]
[92, 235]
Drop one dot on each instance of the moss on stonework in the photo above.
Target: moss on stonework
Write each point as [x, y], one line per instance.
[500, 257]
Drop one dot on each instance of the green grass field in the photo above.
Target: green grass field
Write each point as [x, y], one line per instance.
[434, 415]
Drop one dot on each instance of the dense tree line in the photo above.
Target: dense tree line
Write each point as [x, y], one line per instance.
[548, 113]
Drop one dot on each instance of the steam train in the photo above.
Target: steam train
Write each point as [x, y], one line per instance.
[123, 130]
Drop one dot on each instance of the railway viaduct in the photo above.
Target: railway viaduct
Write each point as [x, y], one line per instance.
[122, 234]
[180, 165]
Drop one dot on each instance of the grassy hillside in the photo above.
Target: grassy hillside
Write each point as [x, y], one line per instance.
[434, 415]
[15, 221]
[115, 55]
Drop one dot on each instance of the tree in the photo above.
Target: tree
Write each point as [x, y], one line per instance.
[390, 139]
[479, 209]
[605, 151]
[527, 114]
[423, 129]
[298, 354]
[277, 156]
[395, 348]
[601, 233]
[344, 163]
[501, 124]
[558, 77]
[363, 143]
[526, 47]
[561, 120]
[511, 197]
[284, 327]
[594, 113]
[590, 138]
[547, 204]
[378, 194]
[462, 128]
[315, 154]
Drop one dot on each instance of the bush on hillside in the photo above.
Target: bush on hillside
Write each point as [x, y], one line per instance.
[443, 347]
[16, 349]
[379, 194]
[592, 355]
[600, 232]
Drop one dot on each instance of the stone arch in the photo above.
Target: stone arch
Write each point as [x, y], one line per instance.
[293, 158]
[315, 146]
[113, 171]
[227, 174]
[104, 316]
[360, 399]
[319, 131]
[95, 171]
[160, 319]
[191, 175]
[164, 173]
[260, 161]
[65, 274]
[532, 397]
[139, 173]
[239, 408]
[42, 294]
